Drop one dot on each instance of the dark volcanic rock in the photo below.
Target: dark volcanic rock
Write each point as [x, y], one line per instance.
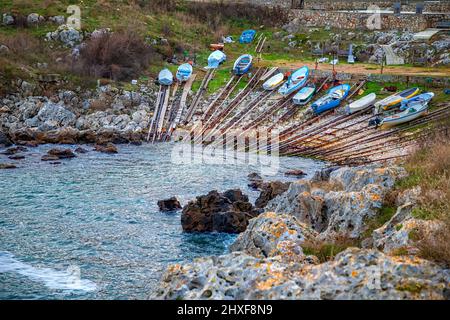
[222, 212]
[16, 157]
[49, 157]
[270, 190]
[4, 140]
[255, 180]
[297, 173]
[107, 148]
[7, 166]
[13, 150]
[61, 153]
[81, 150]
[170, 204]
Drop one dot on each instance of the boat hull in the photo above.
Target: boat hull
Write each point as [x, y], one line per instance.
[328, 102]
[389, 122]
[304, 96]
[361, 104]
[274, 82]
[216, 59]
[165, 77]
[243, 64]
[299, 79]
[184, 72]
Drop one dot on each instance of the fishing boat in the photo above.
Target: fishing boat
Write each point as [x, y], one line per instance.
[274, 82]
[165, 77]
[423, 98]
[215, 59]
[332, 99]
[247, 36]
[395, 99]
[184, 72]
[243, 64]
[304, 95]
[361, 104]
[409, 114]
[295, 81]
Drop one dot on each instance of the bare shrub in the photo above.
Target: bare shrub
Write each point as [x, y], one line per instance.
[118, 56]
[214, 14]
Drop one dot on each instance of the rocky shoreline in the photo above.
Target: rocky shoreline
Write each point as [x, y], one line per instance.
[274, 257]
[100, 116]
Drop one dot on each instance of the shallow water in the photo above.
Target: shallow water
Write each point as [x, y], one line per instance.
[89, 228]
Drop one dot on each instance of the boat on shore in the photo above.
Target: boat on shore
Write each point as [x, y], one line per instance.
[295, 81]
[304, 95]
[243, 64]
[165, 77]
[361, 104]
[409, 114]
[274, 82]
[215, 59]
[423, 98]
[332, 99]
[395, 99]
[184, 72]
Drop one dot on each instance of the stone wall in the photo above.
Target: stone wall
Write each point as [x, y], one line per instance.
[440, 82]
[336, 5]
[358, 20]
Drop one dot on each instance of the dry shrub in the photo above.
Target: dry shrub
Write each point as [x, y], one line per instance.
[160, 5]
[118, 56]
[326, 251]
[215, 14]
[429, 168]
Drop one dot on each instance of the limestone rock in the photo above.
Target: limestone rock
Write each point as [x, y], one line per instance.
[269, 234]
[56, 114]
[34, 19]
[61, 153]
[353, 274]
[66, 34]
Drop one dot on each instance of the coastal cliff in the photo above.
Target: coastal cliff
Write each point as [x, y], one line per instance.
[318, 241]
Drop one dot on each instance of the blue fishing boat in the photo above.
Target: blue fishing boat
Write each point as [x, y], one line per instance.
[332, 99]
[247, 36]
[295, 81]
[421, 99]
[243, 64]
[184, 72]
[215, 59]
[165, 77]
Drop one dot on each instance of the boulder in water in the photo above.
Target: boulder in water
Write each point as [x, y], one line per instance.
[171, 204]
[221, 212]
[107, 148]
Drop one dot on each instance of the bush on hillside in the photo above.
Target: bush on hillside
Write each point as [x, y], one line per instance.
[119, 56]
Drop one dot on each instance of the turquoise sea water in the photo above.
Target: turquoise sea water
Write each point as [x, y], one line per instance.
[89, 228]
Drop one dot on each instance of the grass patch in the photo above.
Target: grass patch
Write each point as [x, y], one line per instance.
[326, 251]
[383, 216]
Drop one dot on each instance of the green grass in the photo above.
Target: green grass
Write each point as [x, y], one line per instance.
[383, 216]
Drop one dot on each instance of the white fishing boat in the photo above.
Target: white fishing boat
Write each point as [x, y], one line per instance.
[304, 95]
[361, 104]
[408, 115]
[274, 82]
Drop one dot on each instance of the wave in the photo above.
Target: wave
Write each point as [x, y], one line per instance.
[68, 279]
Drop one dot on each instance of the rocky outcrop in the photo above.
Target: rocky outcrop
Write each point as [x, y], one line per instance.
[171, 204]
[353, 274]
[255, 180]
[66, 34]
[270, 190]
[222, 212]
[272, 234]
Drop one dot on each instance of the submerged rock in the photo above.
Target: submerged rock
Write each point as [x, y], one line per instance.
[170, 204]
[297, 173]
[353, 274]
[7, 166]
[61, 153]
[255, 180]
[107, 148]
[14, 150]
[81, 150]
[222, 212]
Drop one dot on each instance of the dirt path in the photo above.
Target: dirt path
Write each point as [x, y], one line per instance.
[360, 68]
